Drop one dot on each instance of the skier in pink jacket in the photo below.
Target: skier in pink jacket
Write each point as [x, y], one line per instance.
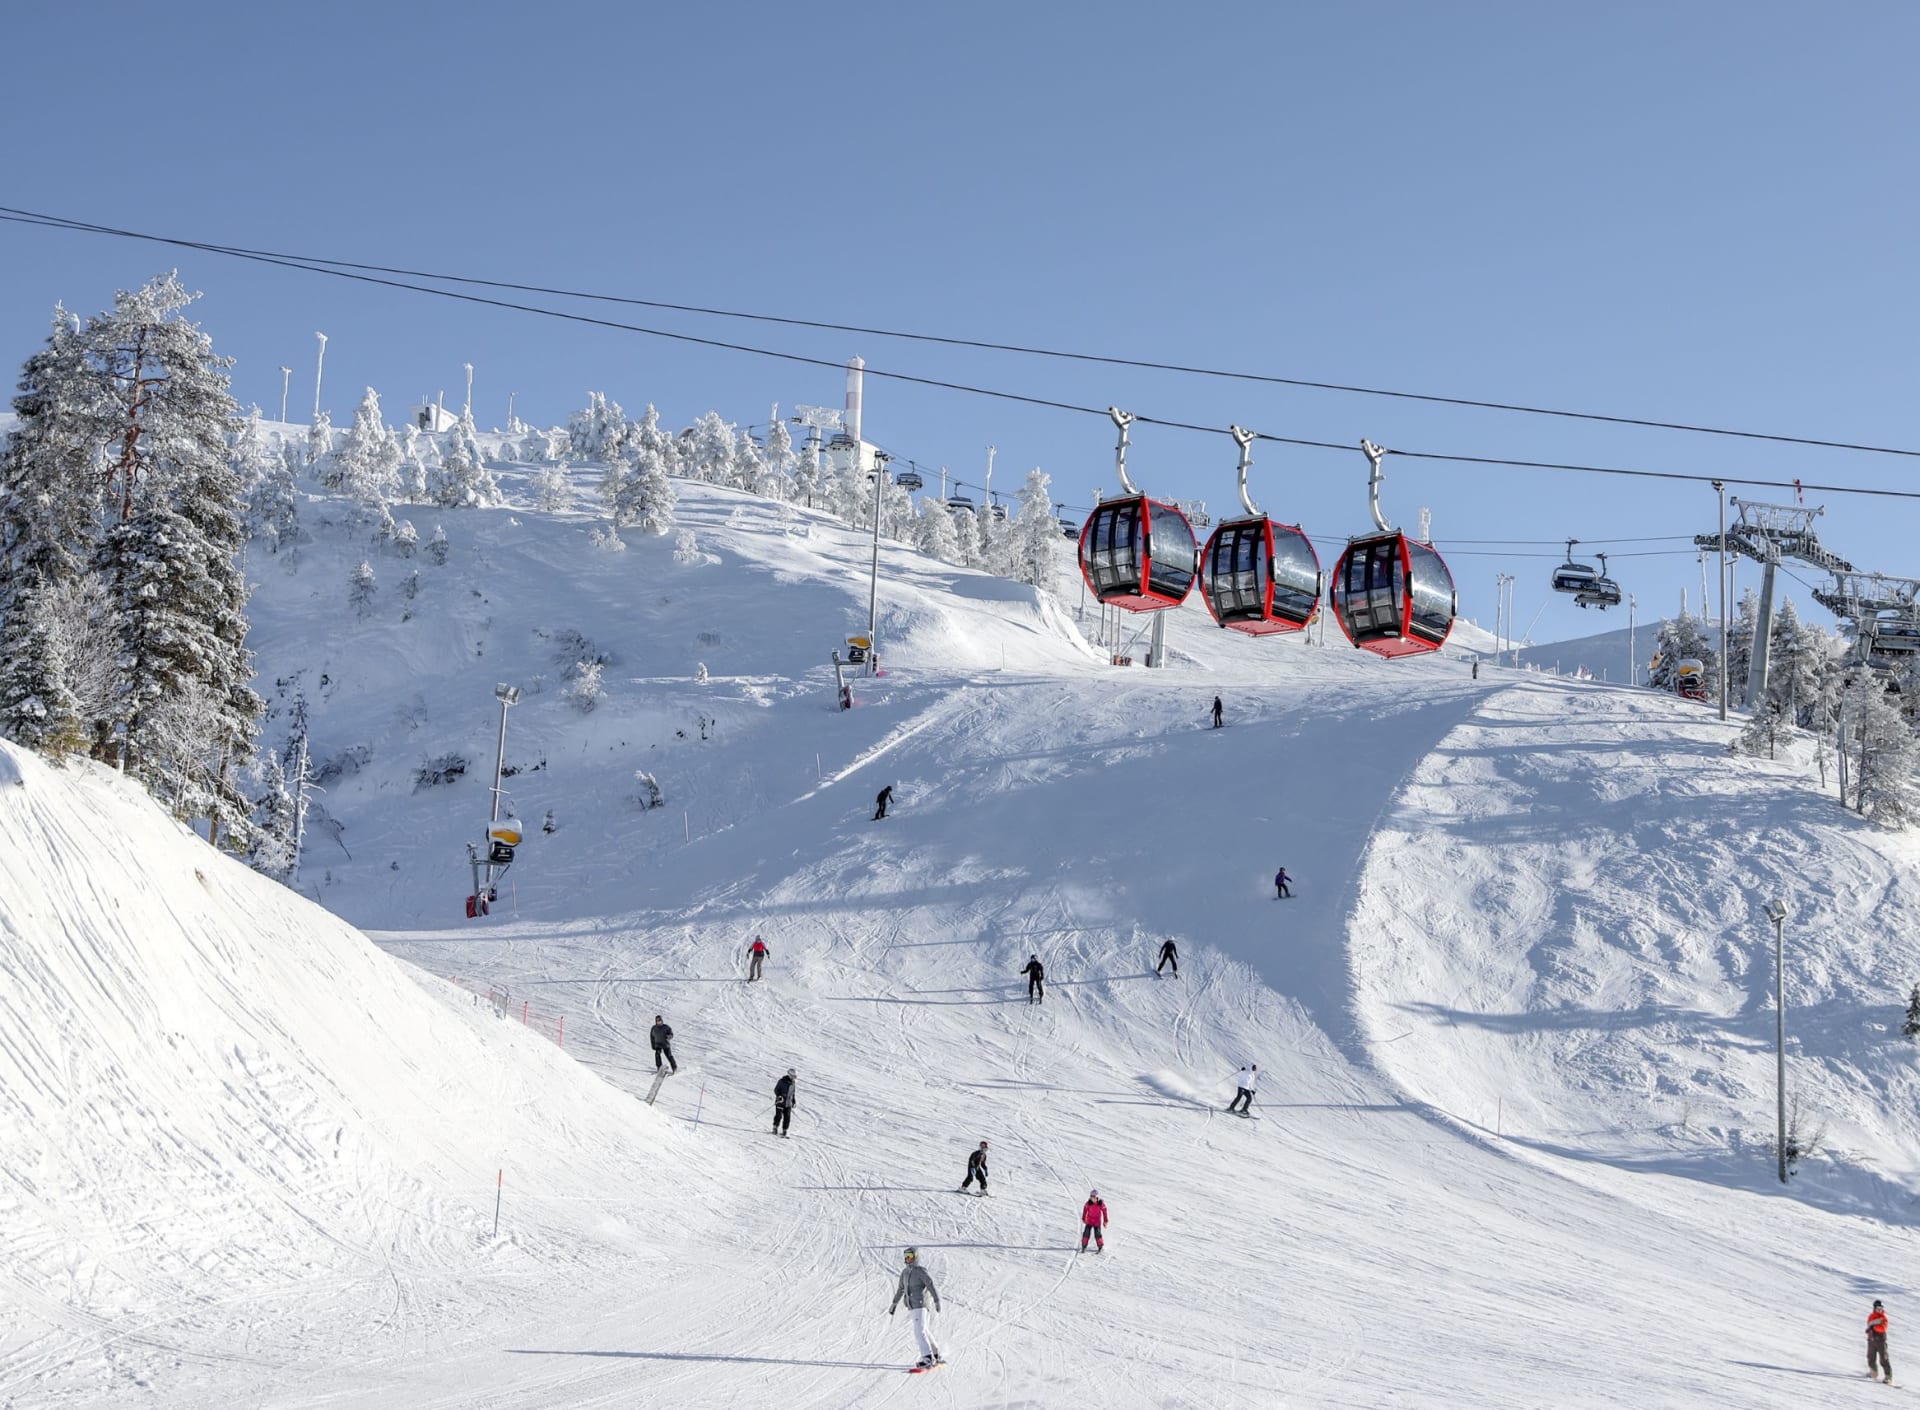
[1093, 1221]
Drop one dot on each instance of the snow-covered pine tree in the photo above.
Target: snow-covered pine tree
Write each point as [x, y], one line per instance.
[896, 511]
[553, 488]
[1910, 1028]
[1766, 731]
[614, 490]
[320, 442]
[593, 431]
[850, 491]
[934, 536]
[37, 706]
[966, 538]
[462, 480]
[366, 467]
[406, 538]
[1884, 752]
[1798, 662]
[1036, 533]
[437, 546]
[361, 585]
[1740, 632]
[806, 478]
[1681, 638]
[750, 464]
[776, 460]
[647, 497]
[996, 543]
[710, 450]
[273, 822]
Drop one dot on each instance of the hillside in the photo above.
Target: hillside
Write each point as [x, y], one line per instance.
[1512, 1026]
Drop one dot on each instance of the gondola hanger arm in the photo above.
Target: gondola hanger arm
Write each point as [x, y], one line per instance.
[1122, 420]
[1244, 439]
[1374, 456]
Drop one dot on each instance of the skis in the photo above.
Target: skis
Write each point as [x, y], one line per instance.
[662, 1075]
[920, 1367]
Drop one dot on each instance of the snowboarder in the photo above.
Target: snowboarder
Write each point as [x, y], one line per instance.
[1093, 1220]
[916, 1287]
[1168, 956]
[757, 956]
[786, 1096]
[1036, 980]
[976, 1169]
[1280, 891]
[1877, 1343]
[1476, 668]
[881, 799]
[661, 1036]
[1243, 1099]
[1217, 711]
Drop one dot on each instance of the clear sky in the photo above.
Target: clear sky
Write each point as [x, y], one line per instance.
[1701, 212]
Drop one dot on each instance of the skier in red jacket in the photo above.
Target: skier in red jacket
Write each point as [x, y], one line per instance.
[1093, 1221]
[1877, 1343]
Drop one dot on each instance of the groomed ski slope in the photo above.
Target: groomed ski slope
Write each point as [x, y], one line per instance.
[1513, 896]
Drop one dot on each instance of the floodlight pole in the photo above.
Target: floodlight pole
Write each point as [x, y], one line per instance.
[1633, 660]
[508, 696]
[319, 366]
[1777, 913]
[1720, 488]
[286, 382]
[512, 395]
[467, 410]
[880, 459]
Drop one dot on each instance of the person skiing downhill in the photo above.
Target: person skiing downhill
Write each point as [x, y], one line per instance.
[1218, 709]
[1243, 1099]
[786, 1096]
[976, 1169]
[1168, 956]
[1877, 1343]
[1093, 1220]
[1280, 884]
[916, 1287]
[757, 954]
[1036, 980]
[661, 1036]
[881, 799]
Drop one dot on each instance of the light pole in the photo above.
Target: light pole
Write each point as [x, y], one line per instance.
[286, 381]
[1720, 488]
[319, 367]
[510, 397]
[1633, 660]
[467, 410]
[880, 459]
[1777, 913]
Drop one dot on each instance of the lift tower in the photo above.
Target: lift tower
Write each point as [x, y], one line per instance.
[1767, 533]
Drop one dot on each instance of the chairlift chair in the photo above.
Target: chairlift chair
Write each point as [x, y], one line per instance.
[1258, 576]
[1137, 553]
[959, 504]
[909, 480]
[1603, 592]
[1391, 594]
[1576, 577]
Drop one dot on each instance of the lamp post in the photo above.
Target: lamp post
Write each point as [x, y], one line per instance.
[1777, 913]
[319, 366]
[880, 459]
[286, 381]
[467, 410]
[1720, 488]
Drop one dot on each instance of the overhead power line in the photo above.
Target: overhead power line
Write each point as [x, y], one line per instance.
[987, 345]
[11, 215]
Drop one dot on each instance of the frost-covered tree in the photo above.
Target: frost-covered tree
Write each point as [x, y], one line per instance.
[52, 465]
[1679, 639]
[777, 462]
[593, 431]
[996, 543]
[750, 465]
[1910, 1027]
[1766, 731]
[806, 478]
[360, 589]
[686, 548]
[1798, 663]
[320, 442]
[274, 819]
[1740, 633]
[934, 536]
[553, 488]
[37, 706]
[646, 498]
[710, 443]
[585, 690]
[437, 547]
[462, 479]
[850, 491]
[1036, 534]
[966, 538]
[405, 538]
[1883, 752]
[366, 467]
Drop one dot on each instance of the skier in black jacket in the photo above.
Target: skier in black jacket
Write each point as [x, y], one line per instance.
[881, 799]
[976, 1169]
[786, 1096]
[1036, 980]
[661, 1036]
[1218, 710]
[1168, 956]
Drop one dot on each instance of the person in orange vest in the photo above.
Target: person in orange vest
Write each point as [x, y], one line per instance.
[757, 956]
[1877, 1343]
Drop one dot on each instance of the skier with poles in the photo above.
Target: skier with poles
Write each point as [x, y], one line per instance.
[1168, 956]
[1280, 885]
[1036, 980]
[786, 1096]
[1877, 1343]
[661, 1036]
[976, 1169]
[916, 1287]
[1243, 1099]
[881, 799]
[757, 954]
[1093, 1220]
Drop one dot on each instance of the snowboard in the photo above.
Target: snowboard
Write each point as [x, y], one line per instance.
[662, 1075]
[1243, 1115]
[922, 1370]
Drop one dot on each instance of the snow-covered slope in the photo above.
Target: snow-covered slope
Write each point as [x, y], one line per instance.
[1513, 895]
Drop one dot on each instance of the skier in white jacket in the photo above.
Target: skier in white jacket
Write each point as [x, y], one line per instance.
[916, 1287]
[1243, 1099]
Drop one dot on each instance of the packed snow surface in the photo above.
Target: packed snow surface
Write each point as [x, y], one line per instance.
[1514, 1027]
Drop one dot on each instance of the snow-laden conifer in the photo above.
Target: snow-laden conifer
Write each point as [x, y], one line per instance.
[934, 533]
[366, 467]
[593, 431]
[1036, 534]
[462, 479]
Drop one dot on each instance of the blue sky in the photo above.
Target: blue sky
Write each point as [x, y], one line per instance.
[1701, 213]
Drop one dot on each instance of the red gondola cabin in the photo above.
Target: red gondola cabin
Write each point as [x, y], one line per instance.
[1393, 595]
[1260, 577]
[1139, 554]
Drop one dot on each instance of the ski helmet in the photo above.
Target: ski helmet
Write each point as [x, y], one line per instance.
[1876, 1304]
[1093, 1194]
[793, 1072]
[911, 1254]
